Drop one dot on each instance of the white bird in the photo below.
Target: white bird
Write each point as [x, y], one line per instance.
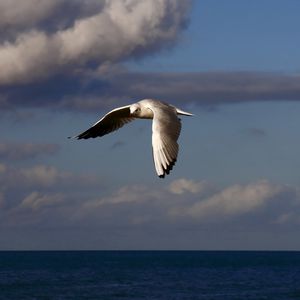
[166, 128]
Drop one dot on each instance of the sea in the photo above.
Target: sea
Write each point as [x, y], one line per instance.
[149, 275]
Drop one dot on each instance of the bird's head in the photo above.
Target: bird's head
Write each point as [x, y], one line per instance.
[135, 109]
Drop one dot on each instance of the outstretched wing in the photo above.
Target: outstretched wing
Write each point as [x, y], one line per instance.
[112, 121]
[166, 128]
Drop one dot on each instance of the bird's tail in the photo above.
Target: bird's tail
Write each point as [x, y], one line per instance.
[181, 112]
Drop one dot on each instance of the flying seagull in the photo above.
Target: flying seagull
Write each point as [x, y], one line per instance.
[166, 128]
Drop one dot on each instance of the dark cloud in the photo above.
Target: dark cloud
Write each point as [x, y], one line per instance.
[99, 90]
[24, 151]
[213, 88]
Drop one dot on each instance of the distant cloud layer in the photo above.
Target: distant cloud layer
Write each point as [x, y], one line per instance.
[48, 197]
[38, 42]
[24, 151]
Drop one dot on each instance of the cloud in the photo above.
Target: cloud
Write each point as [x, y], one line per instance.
[42, 176]
[183, 201]
[211, 88]
[67, 55]
[235, 200]
[116, 30]
[24, 151]
[198, 201]
[14, 13]
[111, 86]
[126, 194]
[181, 186]
[184, 214]
[45, 15]
[36, 200]
[40, 194]
[180, 201]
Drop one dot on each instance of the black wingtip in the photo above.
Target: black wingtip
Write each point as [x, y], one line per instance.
[168, 168]
[73, 137]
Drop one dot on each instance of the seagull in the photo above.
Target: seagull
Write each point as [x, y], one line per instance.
[166, 128]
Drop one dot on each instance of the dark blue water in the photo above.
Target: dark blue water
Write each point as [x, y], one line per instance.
[149, 275]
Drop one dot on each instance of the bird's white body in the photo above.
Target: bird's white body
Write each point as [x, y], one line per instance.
[166, 128]
[144, 108]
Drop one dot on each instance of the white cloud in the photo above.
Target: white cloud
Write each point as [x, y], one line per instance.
[235, 200]
[181, 186]
[42, 176]
[119, 30]
[31, 55]
[182, 199]
[196, 200]
[37, 200]
[126, 194]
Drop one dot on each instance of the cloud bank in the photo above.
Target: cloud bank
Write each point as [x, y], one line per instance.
[37, 42]
[181, 202]
[111, 86]
[185, 213]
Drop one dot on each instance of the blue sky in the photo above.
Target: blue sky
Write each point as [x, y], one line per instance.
[234, 64]
[235, 35]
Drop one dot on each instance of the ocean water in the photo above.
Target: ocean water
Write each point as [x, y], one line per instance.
[147, 275]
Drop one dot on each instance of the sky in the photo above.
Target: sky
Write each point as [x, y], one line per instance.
[234, 64]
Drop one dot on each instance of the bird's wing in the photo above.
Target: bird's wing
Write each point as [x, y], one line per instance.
[112, 121]
[166, 128]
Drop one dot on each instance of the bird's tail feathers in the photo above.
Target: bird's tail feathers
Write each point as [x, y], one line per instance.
[181, 112]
